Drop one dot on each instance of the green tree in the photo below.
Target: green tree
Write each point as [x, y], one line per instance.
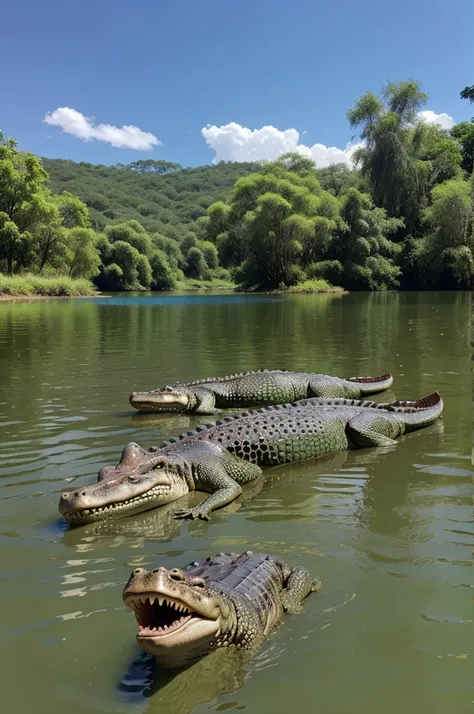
[444, 256]
[133, 233]
[22, 180]
[277, 220]
[464, 133]
[387, 131]
[149, 166]
[337, 178]
[172, 250]
[196, 266]
[210, 254]
[80, 253]
[11, 240]
[363, 246]
[218, 220]
[163, 276]
[73, 212]
[132, 264]
[188, 241]
[450, 212]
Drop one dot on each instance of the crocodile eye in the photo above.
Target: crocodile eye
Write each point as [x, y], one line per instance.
[177, 575]
[198, 583]
[133, 479]
[159, 466]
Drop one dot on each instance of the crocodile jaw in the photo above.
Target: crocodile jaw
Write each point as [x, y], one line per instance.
[159, 400]
[116, 498]
[177, 620]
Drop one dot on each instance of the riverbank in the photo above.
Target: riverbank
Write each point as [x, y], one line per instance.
[34, 287]
[308, 287]
[21, 287]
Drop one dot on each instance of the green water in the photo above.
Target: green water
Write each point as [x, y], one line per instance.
[388, 531]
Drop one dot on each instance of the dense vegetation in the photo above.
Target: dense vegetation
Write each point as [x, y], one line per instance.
[402, 218]
[51, 233]
[162, 196]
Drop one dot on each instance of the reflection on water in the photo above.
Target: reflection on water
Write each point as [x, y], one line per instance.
[180, 692]
[389, 531]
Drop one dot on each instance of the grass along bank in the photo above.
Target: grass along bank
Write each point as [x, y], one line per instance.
[307, 286]
[313, 286]
[191, 285]
[15, 286]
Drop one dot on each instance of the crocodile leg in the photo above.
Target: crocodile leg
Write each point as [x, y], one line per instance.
[206, 402]
[297, 587]
[213, 478]
[369, 430]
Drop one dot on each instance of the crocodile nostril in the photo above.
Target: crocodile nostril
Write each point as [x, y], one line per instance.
[137, 571]
[83, 493]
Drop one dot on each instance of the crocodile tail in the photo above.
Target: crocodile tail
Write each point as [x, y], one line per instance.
[372, 385]
[432, 400]
[421, 412]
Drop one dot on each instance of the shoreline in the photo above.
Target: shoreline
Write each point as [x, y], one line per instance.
[34, 298]
[7, 297]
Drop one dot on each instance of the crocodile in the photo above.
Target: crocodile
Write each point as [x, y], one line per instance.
[220, 458]
[252, 389]
[229, 600]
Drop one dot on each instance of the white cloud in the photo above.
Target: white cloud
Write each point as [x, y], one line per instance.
[443, 120]
[233, 142]
[125, 137]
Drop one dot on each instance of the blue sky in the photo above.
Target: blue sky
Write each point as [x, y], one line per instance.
[170, 68]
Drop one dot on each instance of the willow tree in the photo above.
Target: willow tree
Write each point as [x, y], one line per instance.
[386, 130]
[277, 221]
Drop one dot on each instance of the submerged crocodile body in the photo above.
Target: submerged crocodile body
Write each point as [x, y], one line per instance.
[230, 600]
[207, 396]
[220, 458]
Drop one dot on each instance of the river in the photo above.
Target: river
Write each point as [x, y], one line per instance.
[389, 531]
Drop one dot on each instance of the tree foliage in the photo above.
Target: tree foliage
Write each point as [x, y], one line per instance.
[401, 216]
[468, 93]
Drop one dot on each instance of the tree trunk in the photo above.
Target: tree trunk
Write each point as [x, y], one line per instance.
[45, 255]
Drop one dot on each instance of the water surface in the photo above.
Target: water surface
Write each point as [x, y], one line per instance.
[389, 531]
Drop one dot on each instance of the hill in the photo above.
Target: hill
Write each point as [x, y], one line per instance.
[164, 197]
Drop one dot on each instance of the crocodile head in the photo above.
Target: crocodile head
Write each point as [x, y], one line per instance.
[178, 615]
[168, 399]
[142, 480]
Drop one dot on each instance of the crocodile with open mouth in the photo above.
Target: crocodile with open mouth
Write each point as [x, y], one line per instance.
[229, 600]
[252, 389]
[220, 458]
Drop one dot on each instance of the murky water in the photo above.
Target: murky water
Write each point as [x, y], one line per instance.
[389, 531]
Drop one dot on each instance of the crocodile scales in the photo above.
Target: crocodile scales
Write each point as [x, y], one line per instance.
[251, 389]
[229, 600]
[220, 458]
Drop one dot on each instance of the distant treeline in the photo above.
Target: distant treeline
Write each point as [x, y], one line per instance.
[402, 218]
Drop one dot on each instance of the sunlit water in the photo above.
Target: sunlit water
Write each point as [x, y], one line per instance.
[389, 531]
